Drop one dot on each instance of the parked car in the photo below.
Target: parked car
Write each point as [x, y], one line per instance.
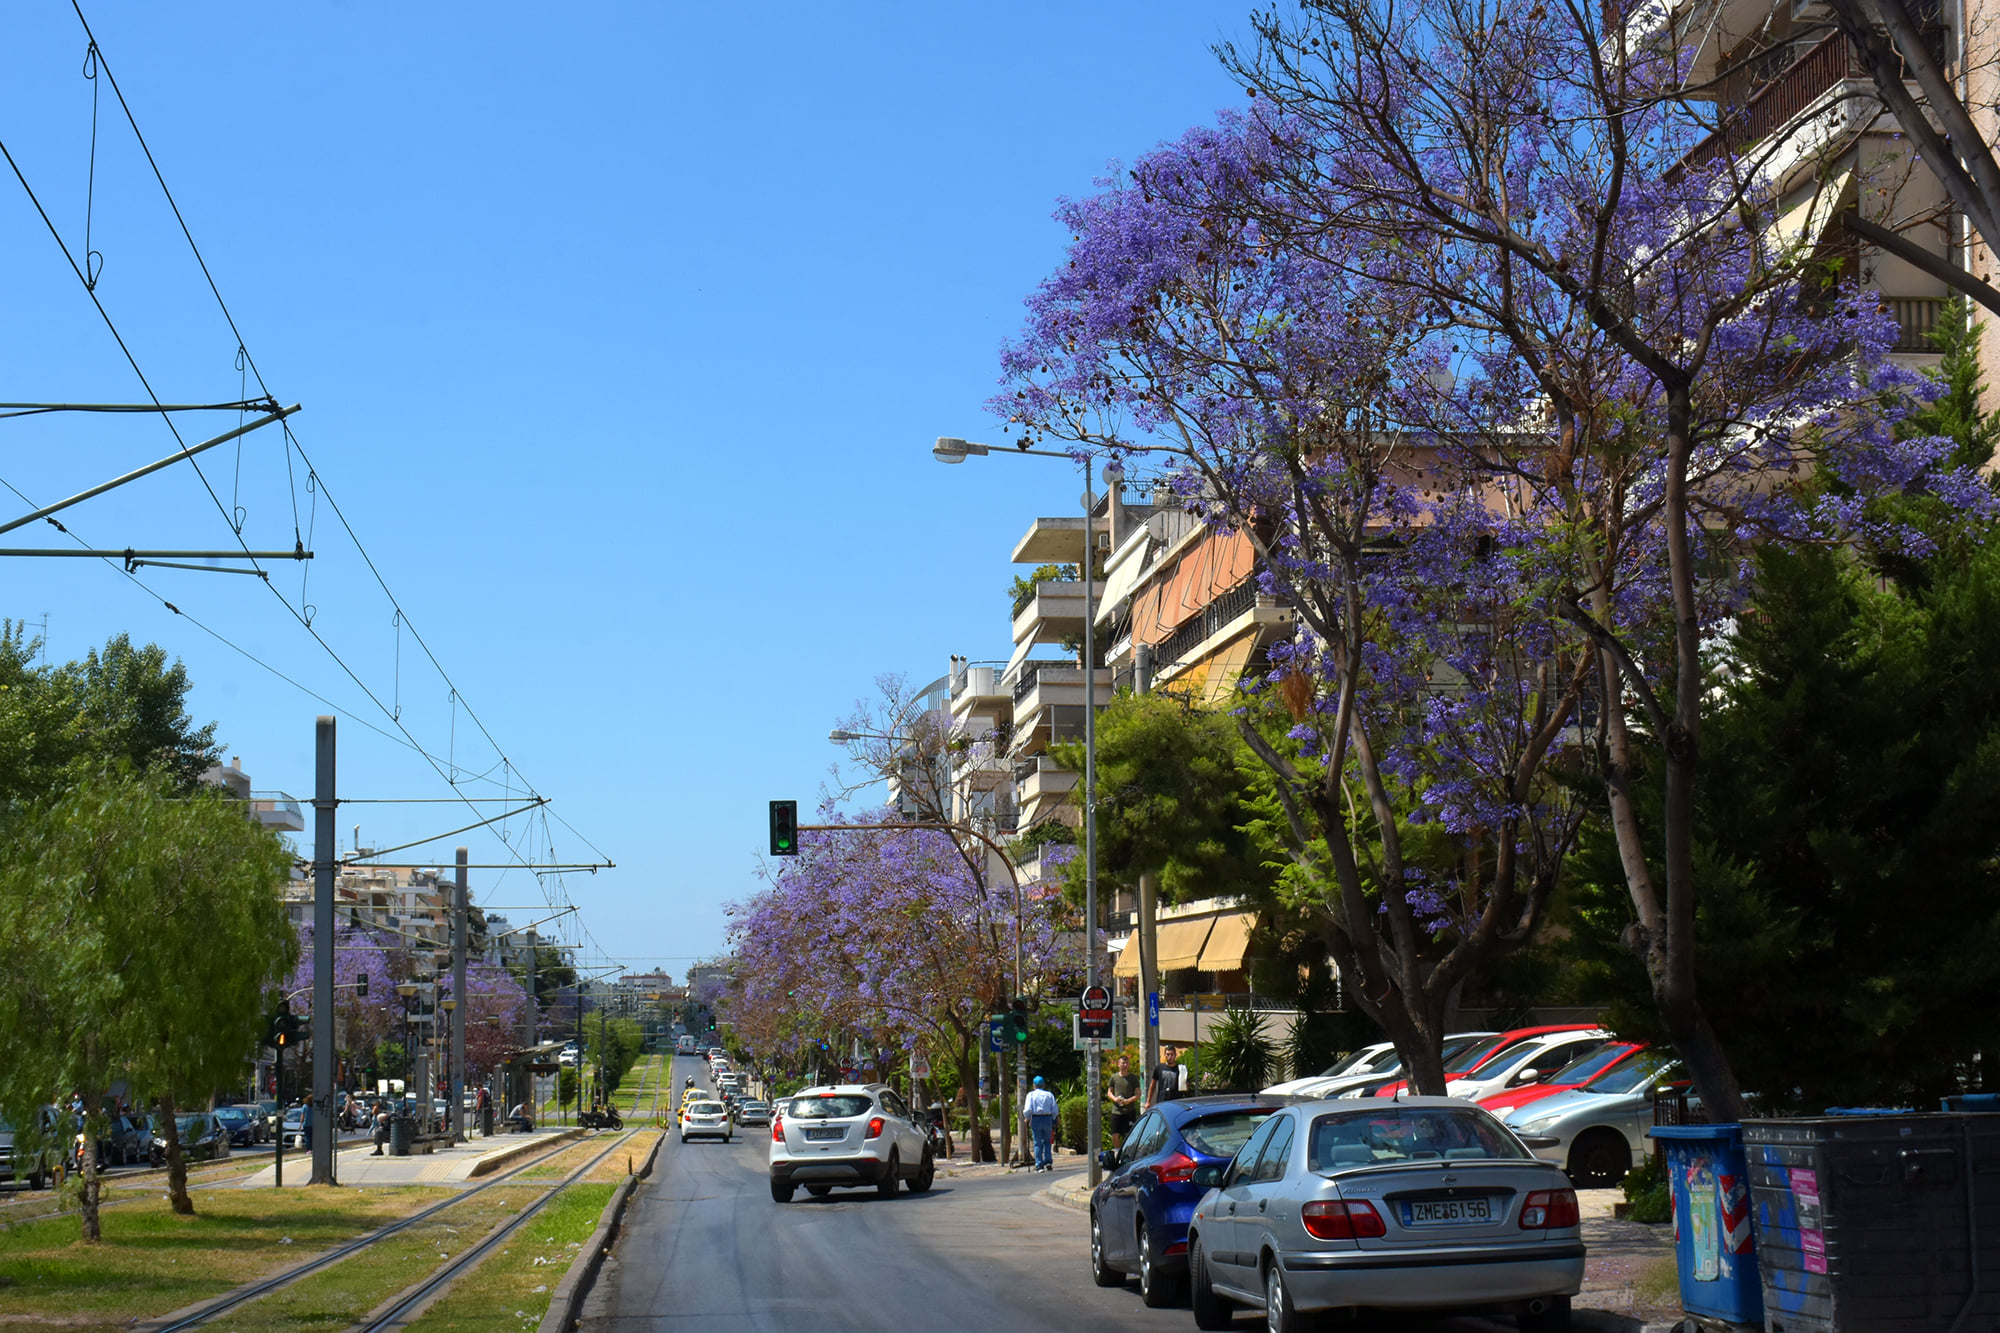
[1361, 1082]
[131, 1139]
[1139, 1212]
[1468, 1063]
[848, 1134]
[753, 1113]
[241, 1122]
[271, 1111]
[705, 1118]
[1575, 1074]
[1598, 1131]
[32, 1168]
[1428, 1204]
[1364, 1061]
[203, 1137]
[1526, 1063]
[293, 1127]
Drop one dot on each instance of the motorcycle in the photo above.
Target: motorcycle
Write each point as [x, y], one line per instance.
[934, 1131]
[601, 1118]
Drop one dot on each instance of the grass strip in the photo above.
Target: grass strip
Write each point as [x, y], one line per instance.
[510, 1289]
[564, 1162]
[628, 1158]
[152, 1261]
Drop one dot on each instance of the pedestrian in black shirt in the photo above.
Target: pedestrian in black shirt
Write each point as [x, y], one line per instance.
[1164, 1082]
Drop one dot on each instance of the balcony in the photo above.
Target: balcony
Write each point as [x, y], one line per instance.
[1228, 617]
[1048, 704]
[277, 810]
[1915, 318]
[1055, 541]
[1055, 612]
[1041, 785]
[980, 769]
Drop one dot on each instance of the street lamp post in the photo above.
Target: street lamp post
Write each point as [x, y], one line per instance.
[452, 1075]
[949, 449]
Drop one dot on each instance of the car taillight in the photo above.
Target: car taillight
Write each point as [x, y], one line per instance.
[1175, 1169]
[1341, 1219]
[1548, 1209]
[875, 1127]
[777, 1129]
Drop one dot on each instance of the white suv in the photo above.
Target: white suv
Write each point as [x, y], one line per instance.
[847, 1134]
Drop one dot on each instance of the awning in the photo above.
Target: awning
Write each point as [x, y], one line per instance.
[1021, 651]
[1122, 575]
[1804, 224]
[1228, 944]
[1181, 942]
[1125, 963]
[1225, 669]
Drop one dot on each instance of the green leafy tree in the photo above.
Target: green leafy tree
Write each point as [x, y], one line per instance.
[142, 928]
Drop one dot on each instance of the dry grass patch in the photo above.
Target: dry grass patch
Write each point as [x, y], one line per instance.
[628, 1158]
[509, 1291]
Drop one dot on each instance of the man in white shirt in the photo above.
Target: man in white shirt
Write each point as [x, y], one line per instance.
[1040, 1113]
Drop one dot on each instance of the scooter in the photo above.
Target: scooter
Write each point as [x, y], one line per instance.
[601, 1118]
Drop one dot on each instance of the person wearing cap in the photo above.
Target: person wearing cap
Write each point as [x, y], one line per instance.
[1040, 1113]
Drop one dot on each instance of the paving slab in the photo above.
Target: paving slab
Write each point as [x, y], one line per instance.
[456, 1165]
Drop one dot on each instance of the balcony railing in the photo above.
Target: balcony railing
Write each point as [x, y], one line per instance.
[1031, 671]
[1779, 102]
[1915, 318]
[1210, 620]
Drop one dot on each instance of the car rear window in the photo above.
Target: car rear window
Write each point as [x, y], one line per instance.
[1408, 1134]
[832, 1106]
[704, 1108]
[1221, 1135]
[1471, 1055]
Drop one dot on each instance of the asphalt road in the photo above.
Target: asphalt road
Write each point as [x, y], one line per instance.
[705, 1247]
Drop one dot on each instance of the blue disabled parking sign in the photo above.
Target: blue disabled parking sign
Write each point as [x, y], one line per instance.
[1152, 1008]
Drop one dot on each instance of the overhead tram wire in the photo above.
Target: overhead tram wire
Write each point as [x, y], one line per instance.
[312, 472]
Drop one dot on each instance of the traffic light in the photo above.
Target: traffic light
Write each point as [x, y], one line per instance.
[361, 984]
[784, 828]
[1017, 1020]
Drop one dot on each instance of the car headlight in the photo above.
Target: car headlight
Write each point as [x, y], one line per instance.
[1536, 1126]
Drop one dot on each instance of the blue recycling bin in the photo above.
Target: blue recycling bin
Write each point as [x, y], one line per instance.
[1713, 1244]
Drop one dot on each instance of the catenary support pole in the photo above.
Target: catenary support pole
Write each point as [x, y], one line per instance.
[1093, 1133]
[325, 854]
[460, 900]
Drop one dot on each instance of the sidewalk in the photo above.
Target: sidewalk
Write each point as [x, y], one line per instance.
[1622, 1275]
[455, 1165]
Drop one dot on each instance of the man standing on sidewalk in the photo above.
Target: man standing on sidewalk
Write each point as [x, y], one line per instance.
[1124, 1101]
[1040, 1113]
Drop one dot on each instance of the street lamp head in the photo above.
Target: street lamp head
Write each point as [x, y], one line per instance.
[951, 449]
[406, 989]
[449, 1003]
[839, 737]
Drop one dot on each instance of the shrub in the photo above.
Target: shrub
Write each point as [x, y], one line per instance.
[1072, 1122]
[1239, 1054]
[1650, 1193]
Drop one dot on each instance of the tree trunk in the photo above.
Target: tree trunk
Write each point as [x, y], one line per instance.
[968, 1087]
[92, 1231]
[177, 1173]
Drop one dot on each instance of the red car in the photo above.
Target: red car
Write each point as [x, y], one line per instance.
[1574, 1075]
[1475, 1057]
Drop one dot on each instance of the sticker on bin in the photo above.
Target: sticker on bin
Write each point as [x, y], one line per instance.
[1444, 1212]
[1812, 1238]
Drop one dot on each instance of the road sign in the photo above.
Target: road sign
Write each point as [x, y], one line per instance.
[1094, 1017]
[996, 1033]
[1208, 1003]
[920, 1066]
[1152, 1008]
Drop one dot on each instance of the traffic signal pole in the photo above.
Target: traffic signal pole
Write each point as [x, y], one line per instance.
[459, 911]
[319, 1110]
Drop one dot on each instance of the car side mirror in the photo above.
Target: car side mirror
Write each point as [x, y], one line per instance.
[1107, 1160]
[1528, 1076]
[1208, 1177]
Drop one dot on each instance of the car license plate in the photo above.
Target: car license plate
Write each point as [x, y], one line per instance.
[1444, 1212]
[818, 1135]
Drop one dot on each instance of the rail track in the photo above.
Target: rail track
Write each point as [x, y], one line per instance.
[392, 1315]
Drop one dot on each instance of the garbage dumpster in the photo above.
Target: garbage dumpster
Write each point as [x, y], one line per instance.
[1870, 1222]
[486, 1122]
[402, 1133]
[1712, 1237]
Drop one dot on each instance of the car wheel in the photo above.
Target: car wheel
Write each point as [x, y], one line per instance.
[1599, 1159]
[1553, 1319]
[1100, 1272]
[1210, 1310]
[1156, 1289]
[892, 1175]
[781, 1191]
[926, 1173]
[684, 1138]
[819, 1191]
[1280, 1315]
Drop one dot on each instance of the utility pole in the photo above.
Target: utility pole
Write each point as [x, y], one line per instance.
[320, 1108]
[1149, 908]
[1093, 1133]
[459, 912]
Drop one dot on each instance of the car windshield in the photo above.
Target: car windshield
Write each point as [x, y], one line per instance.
[704, 1108]
[1408, 1134]
[1634, 1074]
[830, 1105]
[1221, 1135]
[1587, 1067]
[232, 1114]
[191, 1126]
[1471, 1055]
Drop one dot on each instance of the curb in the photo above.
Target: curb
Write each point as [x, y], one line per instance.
[566, 1302]
[1070, 1192]
[493, 1161]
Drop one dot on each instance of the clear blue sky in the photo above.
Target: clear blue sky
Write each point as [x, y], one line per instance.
[621, 332]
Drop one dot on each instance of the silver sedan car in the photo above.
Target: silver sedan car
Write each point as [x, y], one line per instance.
[1421, 1203]
[1598, 1131]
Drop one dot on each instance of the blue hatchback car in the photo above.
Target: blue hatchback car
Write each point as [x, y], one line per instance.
[1139, 1213]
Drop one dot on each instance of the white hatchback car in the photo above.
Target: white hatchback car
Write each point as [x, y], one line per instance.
[847, 1134]
[706, 1119]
